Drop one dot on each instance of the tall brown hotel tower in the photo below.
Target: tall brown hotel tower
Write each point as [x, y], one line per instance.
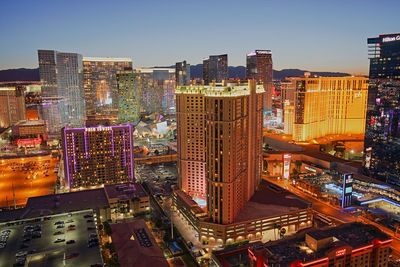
[220, 144]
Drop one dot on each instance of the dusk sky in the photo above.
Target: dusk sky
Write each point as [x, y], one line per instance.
[315, 35]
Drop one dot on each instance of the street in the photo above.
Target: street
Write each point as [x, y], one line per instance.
[336, 213]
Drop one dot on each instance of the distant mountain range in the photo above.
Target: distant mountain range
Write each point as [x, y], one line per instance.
[196, 71]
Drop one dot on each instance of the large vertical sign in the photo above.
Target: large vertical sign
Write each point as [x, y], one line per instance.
[347, 189]
[368, 154]
[286, 166]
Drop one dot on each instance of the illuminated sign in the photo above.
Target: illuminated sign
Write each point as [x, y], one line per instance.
[286, 165]
[340, 252]
[391, 38]
[347, 189]
[310, 169]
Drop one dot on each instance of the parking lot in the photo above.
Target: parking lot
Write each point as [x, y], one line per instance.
[39, 248]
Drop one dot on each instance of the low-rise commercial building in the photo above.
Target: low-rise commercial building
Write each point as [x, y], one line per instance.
[353, 244]
[29, 128]
[127, 199]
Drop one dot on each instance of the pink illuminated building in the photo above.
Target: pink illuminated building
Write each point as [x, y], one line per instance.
[94, 156]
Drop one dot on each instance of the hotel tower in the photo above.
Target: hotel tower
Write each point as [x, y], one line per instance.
[220, 144]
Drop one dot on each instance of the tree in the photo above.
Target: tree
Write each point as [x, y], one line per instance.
[107, 228]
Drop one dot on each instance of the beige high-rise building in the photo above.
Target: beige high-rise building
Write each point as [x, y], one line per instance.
[328, 106]
[288, 118]
[220, 144]
[12, 106]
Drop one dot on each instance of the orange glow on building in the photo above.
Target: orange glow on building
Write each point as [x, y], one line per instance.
[328, 106]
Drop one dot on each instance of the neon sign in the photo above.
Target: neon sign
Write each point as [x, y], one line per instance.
[340, 252]
[391, 39]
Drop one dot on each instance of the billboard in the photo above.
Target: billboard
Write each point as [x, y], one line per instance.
[347, 189]
[286, 166]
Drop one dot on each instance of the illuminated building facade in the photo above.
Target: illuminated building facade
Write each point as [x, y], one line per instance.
[215, 68]
[329, 105]
[128, 97]
[100, 83]
[191, 142]
[12, 106]
[345, 245]
[288, 119]
[259, 67]
[156, 88]
[382, 134]
[220, 144]
[182, 73]
[61, 78]
[95, 156]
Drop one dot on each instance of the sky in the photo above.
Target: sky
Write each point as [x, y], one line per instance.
[316, 35]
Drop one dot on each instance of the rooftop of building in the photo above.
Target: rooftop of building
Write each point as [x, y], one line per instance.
[136, 246]
[270, 200]
[355, 235]
[30, 123]
[185, 197]
[125, 191]
[107, 59]
[234, 255]
[226, 88]
[58, 203]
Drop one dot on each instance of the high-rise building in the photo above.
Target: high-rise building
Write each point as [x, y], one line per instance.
[156, 88]
[288, 118]
[61, 77]
[220, 144]
[95, 156]
[382, 134]
[12, 105]
[328, 106]
[100, 83]
[128, 96]
[259, 67]
[215, 68]
[182, 73]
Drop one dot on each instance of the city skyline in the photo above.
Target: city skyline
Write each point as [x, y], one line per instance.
[289, 31]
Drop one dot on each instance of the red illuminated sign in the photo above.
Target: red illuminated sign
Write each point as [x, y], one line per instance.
[340, 252]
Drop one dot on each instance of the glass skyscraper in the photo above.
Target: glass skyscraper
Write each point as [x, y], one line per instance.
[259, 68]
[100, 83]
[156, 88]
[61, 78]
[215, 68]
[182, 73]
[128, 96]
[382, 133]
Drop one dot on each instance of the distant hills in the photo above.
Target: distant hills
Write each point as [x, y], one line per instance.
[19, 75]
[196, 71]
